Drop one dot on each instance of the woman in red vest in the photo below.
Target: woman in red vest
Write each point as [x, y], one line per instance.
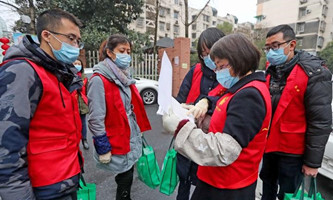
[198, 83]
[82, 101]
[230, 153]
[116, 114]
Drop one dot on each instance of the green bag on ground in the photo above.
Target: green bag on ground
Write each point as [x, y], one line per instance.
[147, 166]
[300, 193]
[169, 177]
[87, 191]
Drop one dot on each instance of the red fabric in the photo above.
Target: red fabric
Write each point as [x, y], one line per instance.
[83, 91]
[288, 126]
[195, 87]
[180, 126]
[244, 171]
[217, 91]
[116, 121]
[54, 133]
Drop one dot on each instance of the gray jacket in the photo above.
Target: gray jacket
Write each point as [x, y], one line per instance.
[97, 113]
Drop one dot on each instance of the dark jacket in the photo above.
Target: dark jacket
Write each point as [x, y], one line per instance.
[317, 100]
[208, 82]
[20, 92]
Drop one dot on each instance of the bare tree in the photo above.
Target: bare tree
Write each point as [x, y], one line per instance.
[156, 24]
[188, 24]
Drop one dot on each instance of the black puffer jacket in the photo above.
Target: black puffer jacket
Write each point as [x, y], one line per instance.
[318, 109]
[317, 101]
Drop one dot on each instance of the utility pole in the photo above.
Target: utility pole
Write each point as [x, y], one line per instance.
[156, 25]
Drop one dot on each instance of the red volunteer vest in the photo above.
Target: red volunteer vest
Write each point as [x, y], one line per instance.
[54, 133]
[195, 87]
[244, 171]
[116, 121]
[288, 127]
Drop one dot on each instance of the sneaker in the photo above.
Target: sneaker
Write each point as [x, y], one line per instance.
[85, 144]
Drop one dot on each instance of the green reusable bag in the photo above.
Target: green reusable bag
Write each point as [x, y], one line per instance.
[147, 166]
[169, 177]
[87, 191]
[300, 193]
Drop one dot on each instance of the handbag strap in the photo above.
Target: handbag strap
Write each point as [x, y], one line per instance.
[300, 185]
[313, 188]
[171, 143]
[82, 180]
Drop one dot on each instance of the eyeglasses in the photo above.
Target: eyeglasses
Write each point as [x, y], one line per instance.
[274, 46]
[71, 38]
[218, 68]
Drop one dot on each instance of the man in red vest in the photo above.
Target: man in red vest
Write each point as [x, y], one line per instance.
[39, 119]
[301, 92]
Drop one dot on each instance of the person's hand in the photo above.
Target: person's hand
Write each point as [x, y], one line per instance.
[170, 122]
[309, 171]
[187, 106]
[200, 109]
[105, 158]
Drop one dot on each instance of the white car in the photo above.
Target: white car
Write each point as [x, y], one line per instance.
[146, 87]
[327, 164]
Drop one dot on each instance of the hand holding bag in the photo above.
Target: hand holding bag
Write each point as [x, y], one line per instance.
[300, 193]
[147, 166]
[169, 177]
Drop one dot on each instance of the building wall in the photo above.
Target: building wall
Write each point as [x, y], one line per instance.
[312, 20]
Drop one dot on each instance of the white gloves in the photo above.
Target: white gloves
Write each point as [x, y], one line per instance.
[105, 158]
[200, 109]
[170, 122]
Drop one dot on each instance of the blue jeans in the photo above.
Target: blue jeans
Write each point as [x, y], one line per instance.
[282, 170]
[84, 126]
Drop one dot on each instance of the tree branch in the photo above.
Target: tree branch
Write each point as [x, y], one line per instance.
[199, 13]
[9, 4]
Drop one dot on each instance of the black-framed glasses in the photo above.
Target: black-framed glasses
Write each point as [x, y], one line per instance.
[274, 46]
[71, 38]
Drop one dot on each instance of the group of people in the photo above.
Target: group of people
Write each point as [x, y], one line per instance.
[242, 116]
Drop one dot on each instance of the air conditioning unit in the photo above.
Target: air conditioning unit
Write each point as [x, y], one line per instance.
[303, 1]
[176, 22]
[308, 11]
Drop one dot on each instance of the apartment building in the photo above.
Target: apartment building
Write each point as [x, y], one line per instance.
[172, 19]
[312, 20]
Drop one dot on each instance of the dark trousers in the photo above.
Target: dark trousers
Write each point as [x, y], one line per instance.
[187, 172]
[204, 191]
[71, 196]
[84, 126]
[282, 170]
[124, 183]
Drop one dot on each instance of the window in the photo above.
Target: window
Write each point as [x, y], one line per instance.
[162, 12]
[325, 8]
[300, 42]
[322, 26]
[167, 26]
[194, 35]
[320, 41]
[302, 12]
[161, 25]
[139, 22]
[193, 17]
[194, 27]
[205, 26]
[175, 14]
[214, 23]
[300, 28]
[176, 29]
[205, 18]
[176, 2]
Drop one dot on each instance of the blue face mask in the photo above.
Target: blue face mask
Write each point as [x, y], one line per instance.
[225, 79]
[78, 67]
[209, 63]
[123, 60]
[277, 57]
[67, 53]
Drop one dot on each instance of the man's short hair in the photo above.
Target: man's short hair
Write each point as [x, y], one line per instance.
[51, 19]
[288, 32]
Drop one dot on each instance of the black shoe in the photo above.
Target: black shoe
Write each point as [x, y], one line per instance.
[85, 144]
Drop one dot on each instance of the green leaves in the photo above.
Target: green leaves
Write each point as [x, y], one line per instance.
[327, 54]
